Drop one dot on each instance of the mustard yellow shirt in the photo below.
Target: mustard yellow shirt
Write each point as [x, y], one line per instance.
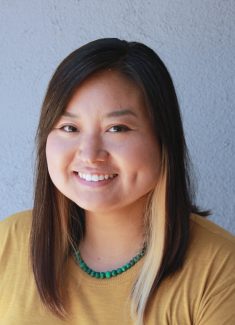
[201, 293]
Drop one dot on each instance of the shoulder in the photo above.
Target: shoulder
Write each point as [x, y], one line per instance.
[211, 245]
[210, 233]
[209, 272]
[16, 226]
[20, 219]
[203, 290]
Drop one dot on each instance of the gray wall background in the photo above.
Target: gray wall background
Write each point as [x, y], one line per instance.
[196, 40]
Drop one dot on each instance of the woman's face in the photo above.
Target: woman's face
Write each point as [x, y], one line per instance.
[102, 153]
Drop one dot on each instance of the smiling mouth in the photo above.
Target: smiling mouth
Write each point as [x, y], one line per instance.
[95, 177]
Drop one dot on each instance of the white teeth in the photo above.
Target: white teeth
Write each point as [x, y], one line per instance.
[94, 178]
[88, 177]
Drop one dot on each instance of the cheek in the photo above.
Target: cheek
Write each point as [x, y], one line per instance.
[147, 160]
[57, 156]
[51, 157]
[142, 154]
[56, 153]
[51, 152]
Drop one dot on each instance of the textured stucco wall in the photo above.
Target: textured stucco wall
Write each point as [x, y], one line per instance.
[195, 38]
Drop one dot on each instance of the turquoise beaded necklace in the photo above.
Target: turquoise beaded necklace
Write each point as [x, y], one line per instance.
[108, 274]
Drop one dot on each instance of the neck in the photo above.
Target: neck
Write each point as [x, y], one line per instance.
[112, 239]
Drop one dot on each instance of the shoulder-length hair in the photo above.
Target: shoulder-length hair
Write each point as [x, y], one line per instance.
[58, 222]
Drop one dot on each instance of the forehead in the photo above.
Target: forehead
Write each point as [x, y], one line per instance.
[105, 91]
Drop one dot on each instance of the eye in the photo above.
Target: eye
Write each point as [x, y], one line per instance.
[68, 128]
[118, 128]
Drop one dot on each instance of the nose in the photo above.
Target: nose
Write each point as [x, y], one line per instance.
[91, 150]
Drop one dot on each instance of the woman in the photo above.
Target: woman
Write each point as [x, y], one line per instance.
[115, 237]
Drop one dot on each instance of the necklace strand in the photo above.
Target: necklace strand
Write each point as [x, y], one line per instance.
[108, 274]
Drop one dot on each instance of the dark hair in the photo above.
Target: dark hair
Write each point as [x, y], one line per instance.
[56, 220]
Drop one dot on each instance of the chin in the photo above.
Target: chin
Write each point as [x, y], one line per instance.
[98, 207]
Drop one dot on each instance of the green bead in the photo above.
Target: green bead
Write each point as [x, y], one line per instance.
[102, 275]
[82, 263]
[108, 275]
[119, 271]
[114, 273]
[97, 275]
[123, 268]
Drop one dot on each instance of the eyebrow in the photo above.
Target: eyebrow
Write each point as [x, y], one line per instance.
[68, 114]
[115, 113]
[121, 113]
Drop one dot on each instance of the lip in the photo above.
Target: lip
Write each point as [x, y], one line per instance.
[92, 183]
